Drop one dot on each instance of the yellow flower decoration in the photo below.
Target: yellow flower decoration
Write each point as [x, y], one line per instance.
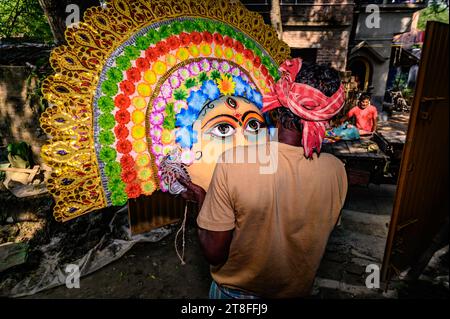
[143, 159]
[182, 54]
[226, 85]
[138, 132]
[218, 51]
[205, 49]
[150, 77]
[193, 49]
[138, 117]
[148, 187]
[248, 65]
[171, 60]
[139, 146]
[257, 73]
[239, 58]
[139, 102]
[145, 174]
[144, 89]
[159, 67]
[167, 136]
[228, 53]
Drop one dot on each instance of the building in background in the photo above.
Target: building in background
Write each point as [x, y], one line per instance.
[336, 32]
[371, 48]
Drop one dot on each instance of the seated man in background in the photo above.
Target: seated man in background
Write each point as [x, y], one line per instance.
[365, 114]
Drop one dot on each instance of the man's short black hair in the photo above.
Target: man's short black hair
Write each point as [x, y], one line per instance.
[319, 76]
[364, 96]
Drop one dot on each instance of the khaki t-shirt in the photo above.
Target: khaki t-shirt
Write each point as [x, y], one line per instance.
[281, 221]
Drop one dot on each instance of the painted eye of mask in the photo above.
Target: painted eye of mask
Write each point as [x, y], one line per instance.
[253, 126]
[222, 130]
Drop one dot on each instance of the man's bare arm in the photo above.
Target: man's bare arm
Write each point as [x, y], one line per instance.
[215, 245]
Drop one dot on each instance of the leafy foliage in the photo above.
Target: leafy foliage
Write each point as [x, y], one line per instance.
[436, 11]
[24, 19]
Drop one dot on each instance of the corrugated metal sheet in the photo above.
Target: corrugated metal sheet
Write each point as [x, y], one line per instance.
[421, 202]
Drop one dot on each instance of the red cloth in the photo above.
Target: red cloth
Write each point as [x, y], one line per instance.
[312, 106]
[364, 117]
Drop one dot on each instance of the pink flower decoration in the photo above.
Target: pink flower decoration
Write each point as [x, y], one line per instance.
[205, 66]
[156, 118]
[157, 149]
[235, 71]
[194, 68]
[159, 104]
[166, 90]
[155, 133]
[175, 82]
[183, 73]
[215, 65]
[225, 67]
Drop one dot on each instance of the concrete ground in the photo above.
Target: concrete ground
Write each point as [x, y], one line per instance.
[153, 270]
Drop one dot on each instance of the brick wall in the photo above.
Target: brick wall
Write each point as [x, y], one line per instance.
[323, 25]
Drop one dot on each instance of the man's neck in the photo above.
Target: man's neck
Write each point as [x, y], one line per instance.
[289, 137]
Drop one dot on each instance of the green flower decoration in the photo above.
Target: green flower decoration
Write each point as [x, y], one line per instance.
[106, 104]
[132, 52]
[181, 94]
[240, 37]
[258, 52]
[222, 29]
[169, 123]
[153, 36]
[250, 44]
[112, 169]
[106, 138]
[229, 31]
[114, 74]
[176, 27]
[169, 109]
[119, 198]
[109, 88]
[215, 75]
[108, 154]
[143, 42]
[164, 31]
[107, 121]
[123, 63]
[189, 26]
[202, 77]
[266, 61]
[200, 25]
[273, 72]
[210, 26]
[191, 82]
[115, 184]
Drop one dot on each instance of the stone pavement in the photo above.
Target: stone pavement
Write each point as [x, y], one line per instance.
[358, 241]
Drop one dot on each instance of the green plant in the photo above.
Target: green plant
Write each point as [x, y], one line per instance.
[21, 150]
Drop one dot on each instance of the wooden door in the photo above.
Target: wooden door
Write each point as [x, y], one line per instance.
[421, 201]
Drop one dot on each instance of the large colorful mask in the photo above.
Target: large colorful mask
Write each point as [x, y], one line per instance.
[140, 80]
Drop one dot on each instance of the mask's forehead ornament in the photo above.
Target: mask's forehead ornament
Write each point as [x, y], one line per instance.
[130, 83]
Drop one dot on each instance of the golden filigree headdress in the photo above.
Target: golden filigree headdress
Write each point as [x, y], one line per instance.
[127, 87]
